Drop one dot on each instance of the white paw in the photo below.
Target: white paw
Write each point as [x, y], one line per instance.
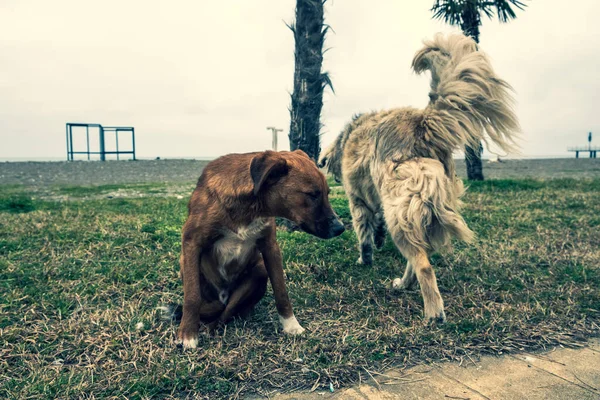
[291, 325]
[402, 284]
[360, 260]
[189, 343]
[434, 310]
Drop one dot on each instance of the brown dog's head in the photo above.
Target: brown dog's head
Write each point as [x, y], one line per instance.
[289, 185]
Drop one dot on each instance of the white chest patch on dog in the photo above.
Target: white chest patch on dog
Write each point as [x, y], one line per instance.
[237, 246]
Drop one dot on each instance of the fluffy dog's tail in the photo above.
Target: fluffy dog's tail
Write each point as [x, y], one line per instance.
[331, 158]
[421, 204]
[467, 99]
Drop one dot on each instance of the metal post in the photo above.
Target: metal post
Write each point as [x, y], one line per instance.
[274, 131]
[576, 154]
[133, 141]
[71, 141]
[117, 142]
[67, 135]
[87, 135]
[102, 149]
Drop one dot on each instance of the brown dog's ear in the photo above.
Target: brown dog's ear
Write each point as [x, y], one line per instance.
[267, 168]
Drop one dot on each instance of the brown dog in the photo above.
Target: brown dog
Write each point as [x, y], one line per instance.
[228, 241]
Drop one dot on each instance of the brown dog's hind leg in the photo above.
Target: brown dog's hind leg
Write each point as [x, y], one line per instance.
[193, 304]
[247, 294]
[192, 300]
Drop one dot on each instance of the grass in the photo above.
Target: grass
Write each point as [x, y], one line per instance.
[16, 204]
[80, 282]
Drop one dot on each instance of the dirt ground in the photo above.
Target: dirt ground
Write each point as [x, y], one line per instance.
[561, 374]
[78, 173]
[184, 171]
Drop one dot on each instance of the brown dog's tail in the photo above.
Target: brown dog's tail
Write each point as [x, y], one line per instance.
[467, 99]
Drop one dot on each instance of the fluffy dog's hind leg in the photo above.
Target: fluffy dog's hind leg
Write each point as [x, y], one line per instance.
[408, 280]
[419, 215]
[432, 300]
[363, 220]
[380, 230]
[419, 266]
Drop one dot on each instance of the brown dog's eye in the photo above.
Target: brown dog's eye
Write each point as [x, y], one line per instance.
[315, 194]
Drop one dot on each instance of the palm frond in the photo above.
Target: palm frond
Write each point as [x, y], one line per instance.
[449, 11]
[326, 81]
[291, 26]
[504, 9]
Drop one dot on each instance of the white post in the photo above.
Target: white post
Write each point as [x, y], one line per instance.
[274, 131]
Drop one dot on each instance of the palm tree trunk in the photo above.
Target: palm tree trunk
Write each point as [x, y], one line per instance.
[309, 82]
[470, 27]
[474, 165]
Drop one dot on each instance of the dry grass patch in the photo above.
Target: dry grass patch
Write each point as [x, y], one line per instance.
[81, 280]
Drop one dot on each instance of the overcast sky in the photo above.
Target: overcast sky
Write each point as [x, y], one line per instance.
[200, 79]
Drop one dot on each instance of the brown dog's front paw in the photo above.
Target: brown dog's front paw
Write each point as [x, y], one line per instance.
[291, 325]
[187, 337]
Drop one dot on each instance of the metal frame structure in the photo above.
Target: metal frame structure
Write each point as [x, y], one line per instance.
[593, 150]
[102, 129]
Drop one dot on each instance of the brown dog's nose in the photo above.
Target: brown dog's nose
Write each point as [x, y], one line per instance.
[337, 228]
